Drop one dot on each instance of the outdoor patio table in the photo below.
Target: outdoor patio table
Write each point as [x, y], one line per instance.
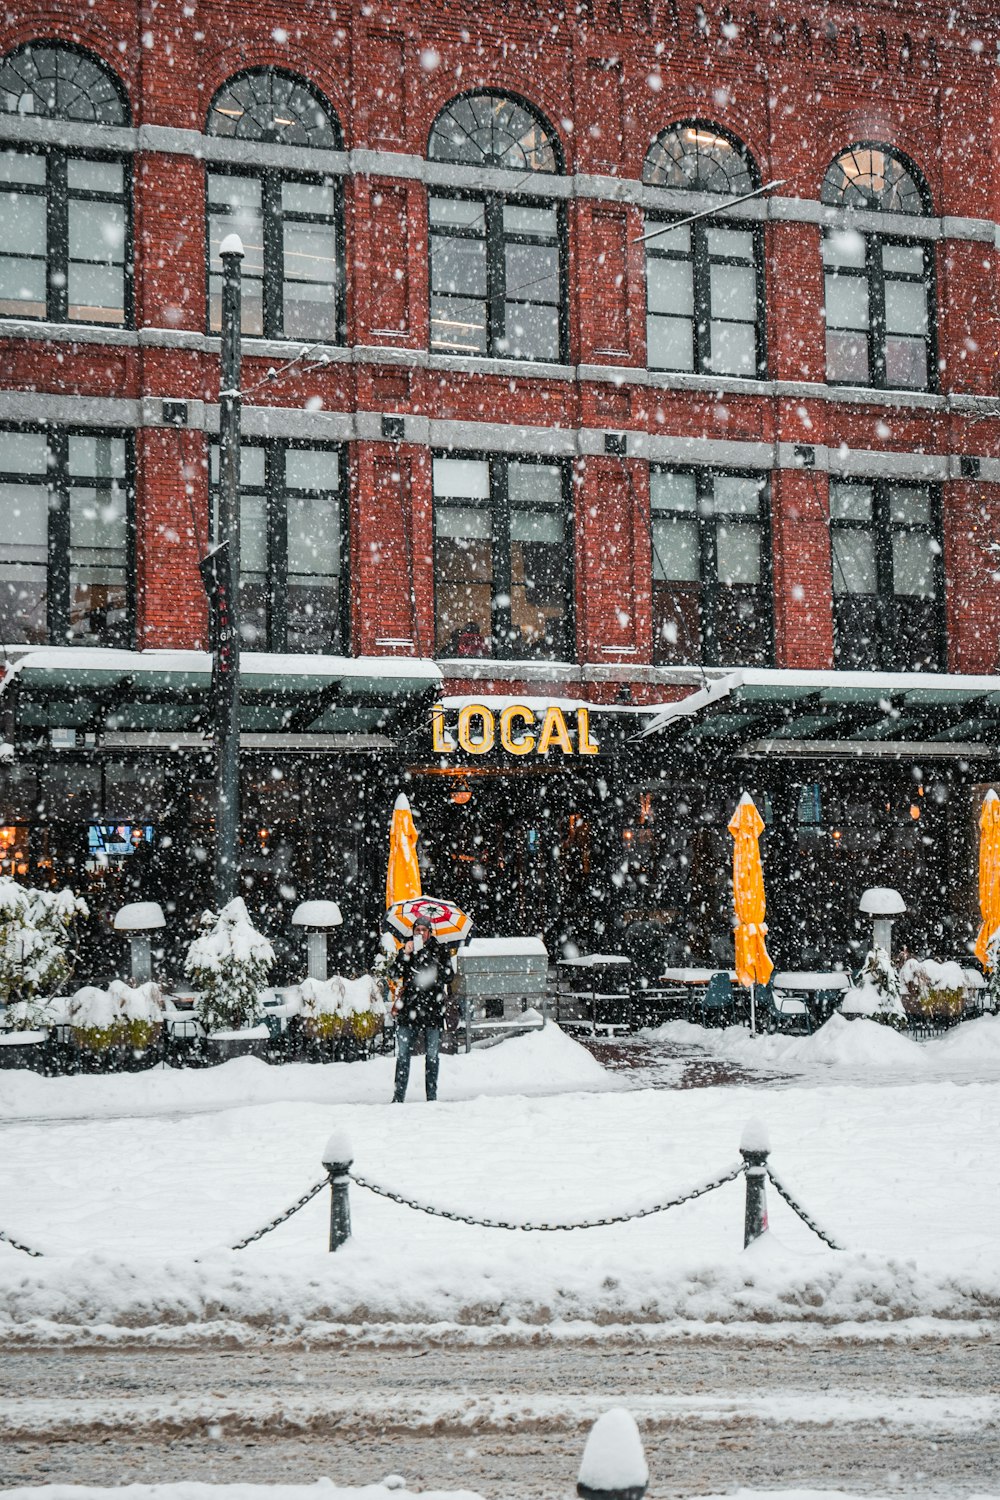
[693, 976]
[603, 998]
[815, 988]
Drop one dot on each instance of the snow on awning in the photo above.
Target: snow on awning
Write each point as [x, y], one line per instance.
[791, 712]
[117, 695]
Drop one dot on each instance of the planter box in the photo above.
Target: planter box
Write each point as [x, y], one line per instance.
[24, 1049]
[252, 1041]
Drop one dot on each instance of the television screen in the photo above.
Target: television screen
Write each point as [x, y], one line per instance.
[117, 838]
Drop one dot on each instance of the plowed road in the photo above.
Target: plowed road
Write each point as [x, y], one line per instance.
[917, 1416]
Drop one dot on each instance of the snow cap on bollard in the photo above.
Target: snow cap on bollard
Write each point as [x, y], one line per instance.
[755, 1136]
[338, 1151]
[614, 1465]
[231, 245]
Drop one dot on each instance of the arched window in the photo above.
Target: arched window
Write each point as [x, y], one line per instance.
[65, 214]
[291, 223]
[497, 259]
[269, 105]
[704, 281]
[61, 83]
[879, 285]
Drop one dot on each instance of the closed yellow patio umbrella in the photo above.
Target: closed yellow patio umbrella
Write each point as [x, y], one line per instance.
[402, 879]
[753, 963]
[989, 875]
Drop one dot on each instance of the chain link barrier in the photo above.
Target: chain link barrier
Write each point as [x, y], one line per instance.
[259, 1234]
[9, 1239]
[797, 1208]
[640, 1213]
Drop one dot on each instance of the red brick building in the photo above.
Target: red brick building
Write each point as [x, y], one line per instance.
[595, 353]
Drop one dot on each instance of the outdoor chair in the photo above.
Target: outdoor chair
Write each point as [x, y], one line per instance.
[716, 1000]
[782, 1012]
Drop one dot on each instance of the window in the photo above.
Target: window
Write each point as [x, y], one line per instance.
[879, 287]
[887, 577]
[502, 562]
[65, 229]
[293, 547]
[711, 585]
[66, 538]
[290, 223]
[704, 281]
[497, 261]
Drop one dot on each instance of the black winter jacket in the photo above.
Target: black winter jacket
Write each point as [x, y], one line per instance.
[422, 995]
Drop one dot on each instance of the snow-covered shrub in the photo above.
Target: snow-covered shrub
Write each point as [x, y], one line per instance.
[932, 991]
[337, 1006]
[119, 1016]
[878, 995]
[322, 1011]
[35, 930]
[229, 963]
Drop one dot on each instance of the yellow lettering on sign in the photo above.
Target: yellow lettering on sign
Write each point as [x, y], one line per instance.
[524, 743]
[554, 732]
[441, 745]
[484, 744]
[584, 744]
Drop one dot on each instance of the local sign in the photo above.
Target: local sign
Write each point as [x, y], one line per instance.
[517, 729]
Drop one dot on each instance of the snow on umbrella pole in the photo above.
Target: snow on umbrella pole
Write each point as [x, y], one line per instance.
[989, 878]
[613, 1465]
[402, 877]
[753, 963]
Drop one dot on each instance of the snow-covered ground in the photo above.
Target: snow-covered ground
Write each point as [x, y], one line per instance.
[325, 1490]
[135, 1185]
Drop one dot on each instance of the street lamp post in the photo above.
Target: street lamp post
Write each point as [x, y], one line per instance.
[224, 588]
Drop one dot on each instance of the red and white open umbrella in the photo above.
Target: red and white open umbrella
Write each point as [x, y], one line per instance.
[449, 922]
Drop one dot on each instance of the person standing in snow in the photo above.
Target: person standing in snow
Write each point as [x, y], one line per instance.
[423, 967]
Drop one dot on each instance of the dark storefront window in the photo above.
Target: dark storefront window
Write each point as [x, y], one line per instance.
[496, 262]
[290, 224]
[293, 544]
[711, 589]
[887, 576]
[66, 543]
[65, 229]
[704, 281]
[879, 289]
[502, 558]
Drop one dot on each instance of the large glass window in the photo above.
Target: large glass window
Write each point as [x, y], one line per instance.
[290, 223]
[502, 559]
[496, 260]
[66, 551]
[293, 547]
[879, 287]
[887, 576]
[704, 281]
[711, 586]
[65, 231]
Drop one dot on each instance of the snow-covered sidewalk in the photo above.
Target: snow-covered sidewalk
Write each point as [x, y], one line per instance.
[135, 1210]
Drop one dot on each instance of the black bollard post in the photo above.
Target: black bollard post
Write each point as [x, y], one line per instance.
[614, 1465]
[337, 1159]
[755, 1148]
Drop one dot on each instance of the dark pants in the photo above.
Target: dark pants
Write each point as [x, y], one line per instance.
[405, 1038]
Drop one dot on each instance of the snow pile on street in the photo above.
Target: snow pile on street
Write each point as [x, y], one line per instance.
[853, 1046]
[135, 1210]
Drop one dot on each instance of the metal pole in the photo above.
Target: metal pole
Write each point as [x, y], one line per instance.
[753, 1009]
[227, 727]
[755, 1215]
[337, 1159]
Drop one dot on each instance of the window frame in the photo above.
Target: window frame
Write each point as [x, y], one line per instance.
[495, 239]
[501, 550]
[701, 261]
[882, 528]
[271, 180]
[59, 485]
[708, 580]
[876, 335]
[274, 493]
[58, 196]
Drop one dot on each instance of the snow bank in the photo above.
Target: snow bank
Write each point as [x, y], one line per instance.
[543, 1062]
[323, 1489]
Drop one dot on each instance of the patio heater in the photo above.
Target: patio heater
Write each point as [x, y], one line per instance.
[318, 918]
[139, 919]
[882, 904]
